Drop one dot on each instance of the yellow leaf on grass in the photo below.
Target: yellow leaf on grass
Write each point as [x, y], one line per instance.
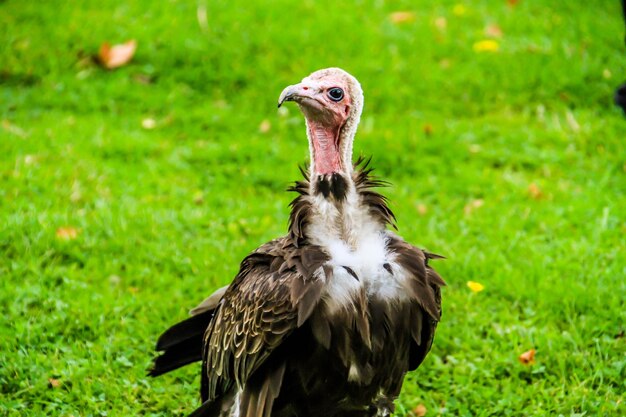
[493, 31]
[67, 233]
[475, 286]
[117, 55]
[402, 17]
[528, 357]
[486, 45]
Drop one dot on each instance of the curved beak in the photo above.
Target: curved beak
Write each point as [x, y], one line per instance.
[294, 93]
[287, 94]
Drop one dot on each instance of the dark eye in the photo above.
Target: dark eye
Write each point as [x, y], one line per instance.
[335, 94]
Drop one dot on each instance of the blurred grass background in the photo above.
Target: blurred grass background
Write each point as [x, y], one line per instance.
[127, 196]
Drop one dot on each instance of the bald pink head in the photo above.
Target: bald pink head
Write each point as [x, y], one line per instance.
[331, 101]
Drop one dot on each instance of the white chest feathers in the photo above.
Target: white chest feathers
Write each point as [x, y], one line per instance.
[367, 269]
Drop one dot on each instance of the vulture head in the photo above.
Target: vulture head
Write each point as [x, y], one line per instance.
[331, 101]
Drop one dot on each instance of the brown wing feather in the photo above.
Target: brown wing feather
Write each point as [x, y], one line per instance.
[259, 395]
[424, 287]
[274, 293]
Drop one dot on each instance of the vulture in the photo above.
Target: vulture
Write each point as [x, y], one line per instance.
[327, 319]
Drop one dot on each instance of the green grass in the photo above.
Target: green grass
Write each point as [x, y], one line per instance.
[164, 215]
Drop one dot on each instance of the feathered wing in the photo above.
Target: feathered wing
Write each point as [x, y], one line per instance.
[424, 287]
[424, 284]
[274, 293]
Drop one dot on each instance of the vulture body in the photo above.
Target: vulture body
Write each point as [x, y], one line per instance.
[326, 320]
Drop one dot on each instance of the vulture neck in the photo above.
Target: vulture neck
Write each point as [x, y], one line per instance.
[338, 217]
[330, 147]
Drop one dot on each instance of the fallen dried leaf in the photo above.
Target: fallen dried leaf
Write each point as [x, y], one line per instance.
[528, 357]
[512, 3]
[475, 286]
[422, 209]
[117, 55]
[402, 17]
[420, 410]
[265, 126]
[486, 45]
[534, 191]
[54, 383]
[428, 129]
[441, 23]
[148, 123]
[67, 233]
[493, 31]
[473, 205]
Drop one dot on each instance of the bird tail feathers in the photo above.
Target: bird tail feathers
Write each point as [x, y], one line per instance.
[181, 344]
